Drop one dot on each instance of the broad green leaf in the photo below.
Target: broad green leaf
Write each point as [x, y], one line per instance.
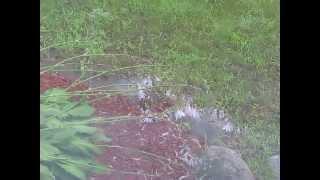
[70, 106]
[52, 110]
[73, 170]
[100, 168]
[81, 161]
[99, 137]
[55, 95]
[89, 165]
[84, 146]
[60, 173]
[45, 173]
[84, 129]
[47, 150]
[66, 138]
[54, 123]
[83, 110]
[59, 136]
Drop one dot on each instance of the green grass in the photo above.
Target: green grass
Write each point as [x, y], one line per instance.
[229, 46]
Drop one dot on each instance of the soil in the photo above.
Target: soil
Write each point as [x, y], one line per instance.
[159, 150]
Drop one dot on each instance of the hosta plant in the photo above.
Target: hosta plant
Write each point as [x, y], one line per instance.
[67, 139]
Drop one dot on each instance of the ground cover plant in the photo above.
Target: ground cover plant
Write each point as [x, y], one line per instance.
[67, 149]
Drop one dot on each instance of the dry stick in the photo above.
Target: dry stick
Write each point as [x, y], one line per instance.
[102, 97]
[60, 44]
[91, 89]
[74, 162]
[144, 152]
[72, 70]
[111, 119]
[97, 167]
[67, 125]
[137, 150]
[161, 159]
[83, 55]
[77, 63]
[134, 173]
[111, 85]
[74, 94]
[63, 61]
[91, 92]
[78, 81]
[99, 98]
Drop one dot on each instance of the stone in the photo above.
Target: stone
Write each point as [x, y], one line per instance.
[220, 163]
[274, 162]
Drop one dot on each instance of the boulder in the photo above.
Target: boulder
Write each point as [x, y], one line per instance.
[274, 163]
[220, 163]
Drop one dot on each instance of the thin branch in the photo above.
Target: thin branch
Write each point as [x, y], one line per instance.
[136, 150]
[108, 71]
[60, 44]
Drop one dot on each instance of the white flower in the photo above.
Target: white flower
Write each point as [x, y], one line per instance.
[214, 114]
[157, 78]
[228, 127]
[192, 112]
[238, 130]
[221, 114]
[147, 120]
[169, 94]
[141, 94]
[147, 82]
[179, 114]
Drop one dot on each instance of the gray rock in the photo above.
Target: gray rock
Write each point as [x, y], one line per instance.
[211, 132]
[218, 118]
[220, 163]
[214, 125]
[274, 163]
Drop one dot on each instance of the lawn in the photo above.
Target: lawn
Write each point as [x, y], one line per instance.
[228, 48]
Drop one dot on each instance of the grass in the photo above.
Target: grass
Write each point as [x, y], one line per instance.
[228, 47]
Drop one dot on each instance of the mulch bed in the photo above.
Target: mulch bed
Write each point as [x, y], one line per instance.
[138, 150]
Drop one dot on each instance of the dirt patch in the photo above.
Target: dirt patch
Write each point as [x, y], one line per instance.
[139, 150]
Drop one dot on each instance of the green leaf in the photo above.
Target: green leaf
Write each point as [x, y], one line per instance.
[67, 150]
[60, 173]
[100, 168]
[58, 136]
[99, 137]
[84, 129]
[83, 110]
[54, 123]
[45, 173]
[70, 106]
[47, 150]
[52, 111]
[56, 95]
[85, 146]
[73, 170]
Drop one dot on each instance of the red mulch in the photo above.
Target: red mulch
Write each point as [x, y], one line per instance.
[132, 140]
[48, 81]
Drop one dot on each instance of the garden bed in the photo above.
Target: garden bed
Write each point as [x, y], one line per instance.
[138, 150]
